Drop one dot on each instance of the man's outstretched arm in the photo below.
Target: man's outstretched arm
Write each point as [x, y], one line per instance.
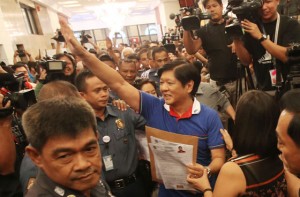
[104, 72]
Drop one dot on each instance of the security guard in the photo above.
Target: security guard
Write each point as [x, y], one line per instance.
[63, 138]
[46, 187]
[117, 137]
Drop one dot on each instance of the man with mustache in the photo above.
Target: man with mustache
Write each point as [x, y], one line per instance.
[65, 149]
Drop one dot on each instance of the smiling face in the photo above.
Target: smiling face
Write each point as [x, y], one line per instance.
[269, 10]
[69, 66]
[290, 152]
[96, 93]
[173, 92]
[73, 162]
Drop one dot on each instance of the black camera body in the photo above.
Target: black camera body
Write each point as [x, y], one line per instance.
[84, 38]
[21, 53]
[192, 22]
[243, 9]
[12, 87]
[293, 77]
[54, 69]
[59, 37]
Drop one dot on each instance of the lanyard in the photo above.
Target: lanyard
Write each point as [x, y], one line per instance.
[277, 28]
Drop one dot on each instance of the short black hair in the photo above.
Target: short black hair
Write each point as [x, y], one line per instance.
[256, 119]
[81, 79]
[105, 57]
[204, 2]
[291, 103]
[138, 83]
[158, 50]
[184, 72]
[54, 117]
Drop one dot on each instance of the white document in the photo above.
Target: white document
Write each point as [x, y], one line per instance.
[170, 163]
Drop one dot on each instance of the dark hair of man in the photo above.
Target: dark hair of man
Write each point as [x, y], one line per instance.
[18, 65]
[183, 72]
[117, 51]
[204, 2]
[133, 56]
[128, 61]
[57, 117]
[257, 114]
[80, 80]
[158, 50]
[57, 89]
[290, 102]
[140, 82]
[105, 57]
[142, 51]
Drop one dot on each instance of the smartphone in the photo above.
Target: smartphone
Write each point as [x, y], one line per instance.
[21, 50]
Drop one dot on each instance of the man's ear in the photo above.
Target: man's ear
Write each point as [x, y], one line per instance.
[82, 94]
[190, 86]
[34, 155]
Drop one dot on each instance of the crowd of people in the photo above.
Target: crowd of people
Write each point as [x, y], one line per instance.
[84, 133]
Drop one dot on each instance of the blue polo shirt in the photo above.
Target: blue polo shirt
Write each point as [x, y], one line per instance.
[204, 123]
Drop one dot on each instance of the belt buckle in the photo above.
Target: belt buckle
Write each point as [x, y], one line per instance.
[120, 183]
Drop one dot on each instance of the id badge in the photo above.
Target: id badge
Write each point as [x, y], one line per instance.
[108, 162]
[273, 76]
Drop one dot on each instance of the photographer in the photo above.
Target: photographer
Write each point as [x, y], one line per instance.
[222, 61]
[266, 46]
[22, 54]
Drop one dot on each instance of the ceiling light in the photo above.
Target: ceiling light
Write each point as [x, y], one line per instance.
[67, 2]
[72, 5]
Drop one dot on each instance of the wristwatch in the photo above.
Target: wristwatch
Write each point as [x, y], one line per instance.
[208, 170]
[263, 38]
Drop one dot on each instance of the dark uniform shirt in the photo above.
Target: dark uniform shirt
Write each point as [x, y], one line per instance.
[43, 186]
[120, 127]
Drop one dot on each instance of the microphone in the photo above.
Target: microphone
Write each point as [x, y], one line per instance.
[172, 16]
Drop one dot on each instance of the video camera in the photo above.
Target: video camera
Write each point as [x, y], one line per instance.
[58, 37]
[243, 9]
[12, 87]
[84, 38]
[192, 21]
[54, 69]
[293, 54]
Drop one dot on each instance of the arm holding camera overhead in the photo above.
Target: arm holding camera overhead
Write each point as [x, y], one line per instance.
[22, 53]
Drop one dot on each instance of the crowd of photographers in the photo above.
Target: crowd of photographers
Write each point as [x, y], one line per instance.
[261, 51]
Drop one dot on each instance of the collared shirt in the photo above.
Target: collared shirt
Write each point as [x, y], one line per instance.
[212, 97]
[44, 186]
[204, 123]
[120, 126]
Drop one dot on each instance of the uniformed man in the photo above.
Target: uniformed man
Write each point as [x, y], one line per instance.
[117, 142]
[65, 149]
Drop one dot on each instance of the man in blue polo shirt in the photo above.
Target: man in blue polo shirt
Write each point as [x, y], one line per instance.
[177, 111]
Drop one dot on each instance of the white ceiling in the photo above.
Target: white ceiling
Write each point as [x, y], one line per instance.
[88, 14]
[87, 9]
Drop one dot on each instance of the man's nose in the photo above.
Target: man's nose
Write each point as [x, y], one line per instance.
[82, 163]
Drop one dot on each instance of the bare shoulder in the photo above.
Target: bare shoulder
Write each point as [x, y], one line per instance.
[231, 180]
